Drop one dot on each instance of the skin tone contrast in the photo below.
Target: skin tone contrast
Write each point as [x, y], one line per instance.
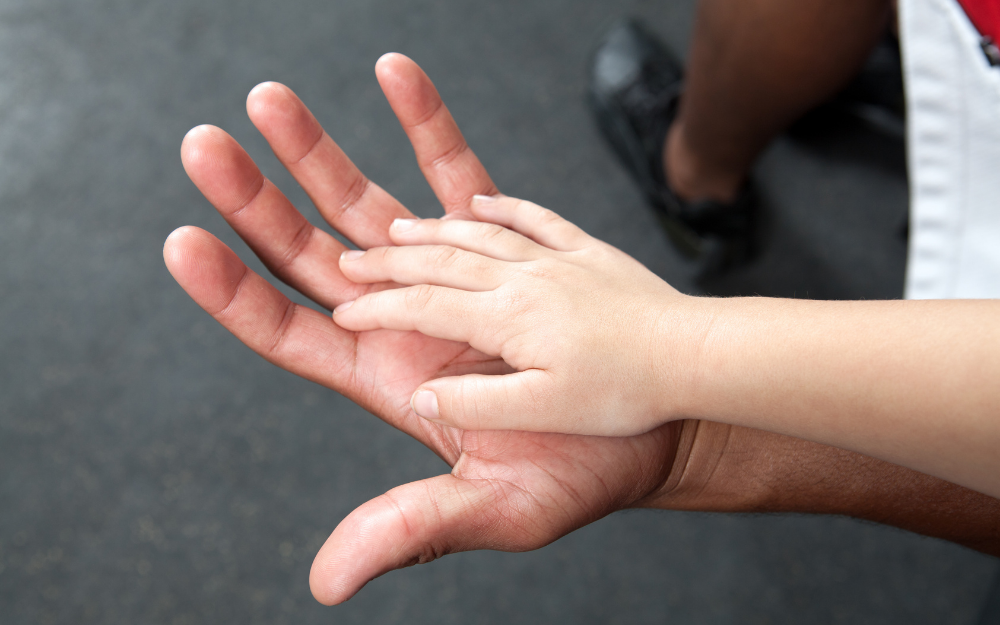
[601, 346]
[506, 490]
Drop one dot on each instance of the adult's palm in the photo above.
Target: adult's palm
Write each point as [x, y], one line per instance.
[511, 491]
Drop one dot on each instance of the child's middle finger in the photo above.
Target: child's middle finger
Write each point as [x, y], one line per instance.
[474, 236]
[438, 265]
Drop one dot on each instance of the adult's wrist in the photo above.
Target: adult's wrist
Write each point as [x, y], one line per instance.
[717, 468]
[723, 468]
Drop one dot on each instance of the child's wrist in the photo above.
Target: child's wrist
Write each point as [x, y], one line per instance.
[687, 333]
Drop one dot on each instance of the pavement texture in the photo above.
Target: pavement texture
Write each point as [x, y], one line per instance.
[154, 470]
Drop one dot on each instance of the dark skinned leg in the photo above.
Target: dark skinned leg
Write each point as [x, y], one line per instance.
[754, 67]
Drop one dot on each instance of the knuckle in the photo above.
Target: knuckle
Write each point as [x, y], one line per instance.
[473, 399]
[511, 303]
[545, 269]
[600, 254]
[523, 207]
[536, 212]
[450, 155]
[371, 304]
[493, 232]
[462, 404]
[442, 256]
[418, 296]
[382, 255]
[547, 216]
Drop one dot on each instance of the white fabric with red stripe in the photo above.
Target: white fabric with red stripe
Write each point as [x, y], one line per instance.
[953, 134]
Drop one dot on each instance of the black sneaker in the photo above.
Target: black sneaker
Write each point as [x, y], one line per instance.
[635, 87]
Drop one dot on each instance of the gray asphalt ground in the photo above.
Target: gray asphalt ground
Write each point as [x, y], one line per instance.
[154, 470]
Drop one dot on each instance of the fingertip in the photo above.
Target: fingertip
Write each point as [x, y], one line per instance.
[181, 246]
[424, 402]
[194, 137]
[200, 146]
[361, 548]
[410, 524]
[350, 269]
[410, 92]
[220, 168]
[266, 96]
[204, 266]
[175, 237]
[194, 132]
[203, 130]
[342, 308]
[259, 94]
[285, 121]
[403, 229]
[319, 584]
[485, 200]
[486, 207]
[390, 61]
[265, 87]
[351, 322]
[175, 247]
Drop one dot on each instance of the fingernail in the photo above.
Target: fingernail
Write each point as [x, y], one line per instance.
[402, 225]
[483, 199]
[425, 404]
[351, 255]
[343, 307]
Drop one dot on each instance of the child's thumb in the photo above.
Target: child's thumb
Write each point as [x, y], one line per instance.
[515, 401]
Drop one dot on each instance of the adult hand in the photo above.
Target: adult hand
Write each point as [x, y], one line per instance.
[600, 345]
[508, 490]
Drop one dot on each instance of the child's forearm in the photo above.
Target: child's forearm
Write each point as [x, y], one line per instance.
[915, 383]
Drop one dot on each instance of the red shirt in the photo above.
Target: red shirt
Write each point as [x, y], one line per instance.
[985, 15]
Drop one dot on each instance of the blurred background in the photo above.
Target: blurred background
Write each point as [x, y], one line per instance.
[154, 470]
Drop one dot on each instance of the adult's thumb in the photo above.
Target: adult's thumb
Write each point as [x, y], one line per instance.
[411, 524]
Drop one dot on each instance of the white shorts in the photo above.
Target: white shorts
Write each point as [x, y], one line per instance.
[953, 137]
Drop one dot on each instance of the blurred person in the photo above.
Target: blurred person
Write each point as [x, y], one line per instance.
[756, 66]
[507, 490]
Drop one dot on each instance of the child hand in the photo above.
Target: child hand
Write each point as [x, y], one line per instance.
[600, 345]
